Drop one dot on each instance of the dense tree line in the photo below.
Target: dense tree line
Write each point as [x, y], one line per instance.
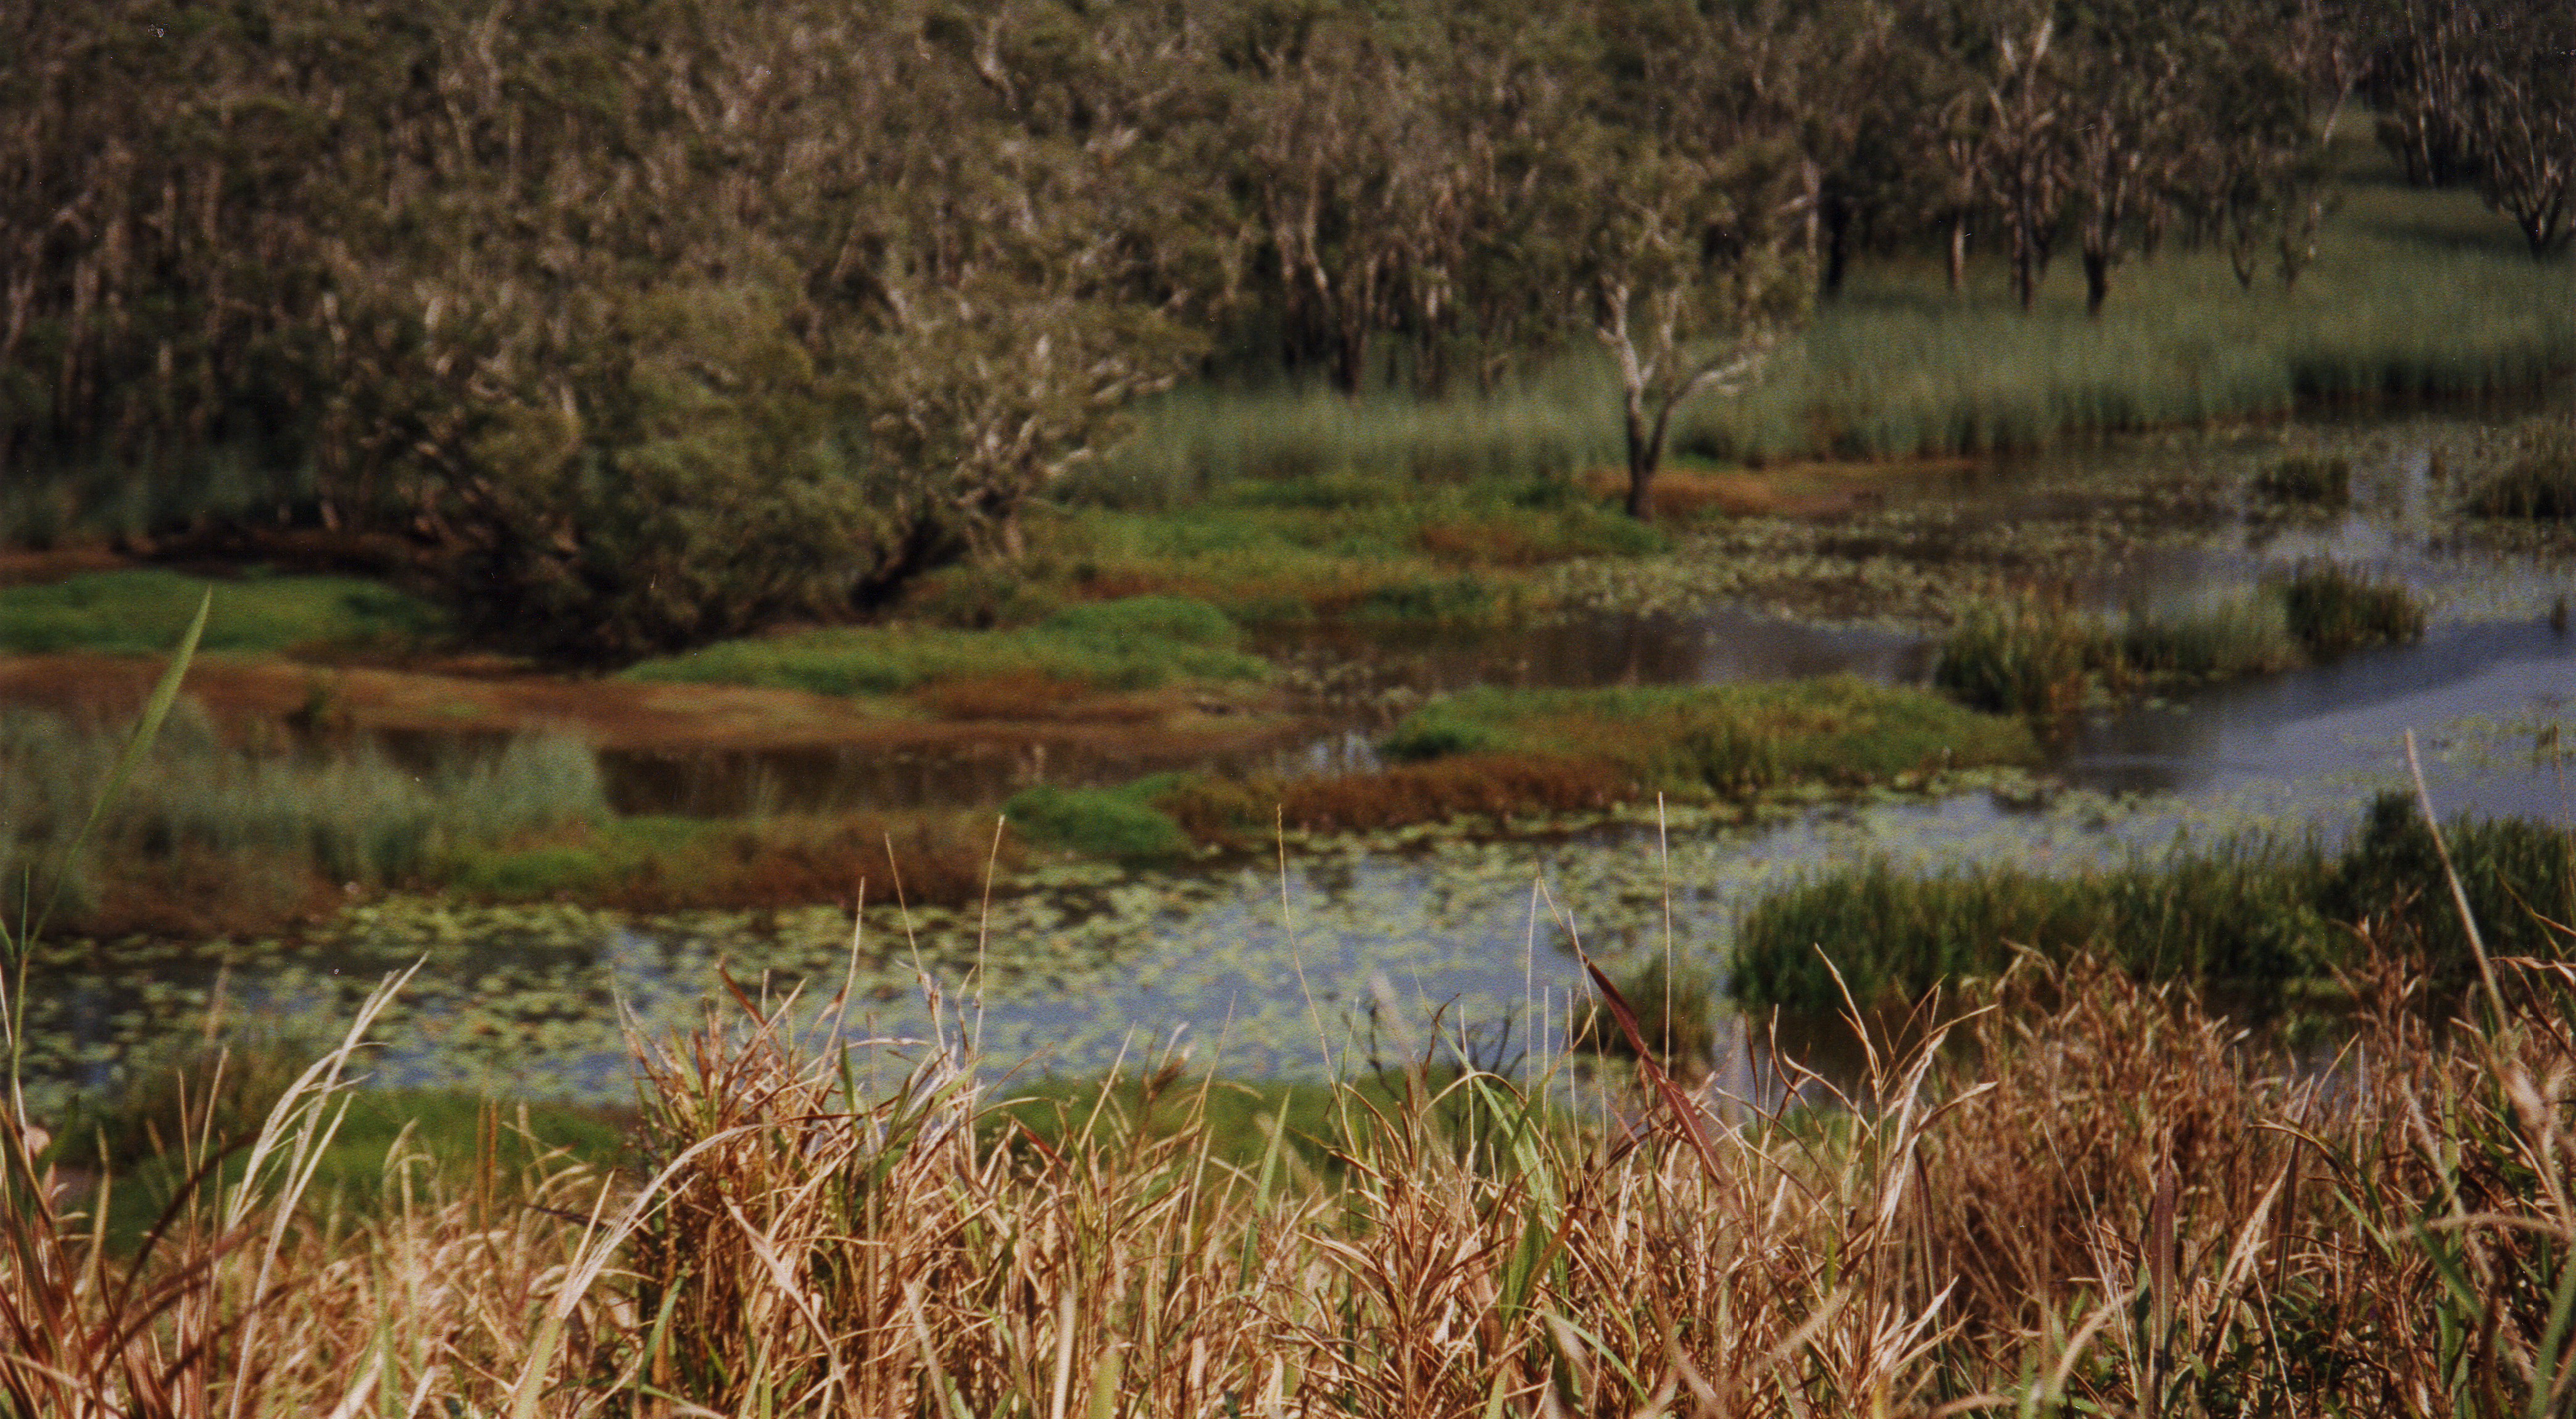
[649, 321]
[2485, 94]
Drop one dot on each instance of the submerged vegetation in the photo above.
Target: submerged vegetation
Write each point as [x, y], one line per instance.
[2253, 914]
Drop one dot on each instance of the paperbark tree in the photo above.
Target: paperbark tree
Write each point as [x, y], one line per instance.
[2026, 157]
[2523, 127]
[1657, 373]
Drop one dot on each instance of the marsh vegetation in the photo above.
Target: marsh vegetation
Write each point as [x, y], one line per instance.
[2097, 1198]
[1155, 766]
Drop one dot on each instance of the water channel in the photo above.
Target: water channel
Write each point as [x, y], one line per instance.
[1306, 962]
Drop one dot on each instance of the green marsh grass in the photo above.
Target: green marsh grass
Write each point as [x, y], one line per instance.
[2539, 483]
[1355, 546]
[2022, 656]
[1129, 644]
[2226, 640]
[2259, 913]
[653, 863]
[2033, 656]
[1728, 740]
[2331, 610]
[140, 611]
[2244, 912]
[1122, 824]
[204, 817]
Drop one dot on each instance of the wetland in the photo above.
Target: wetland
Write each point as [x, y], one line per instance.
[1270, 944]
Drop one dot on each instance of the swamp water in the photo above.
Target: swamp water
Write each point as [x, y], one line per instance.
[1300, 965]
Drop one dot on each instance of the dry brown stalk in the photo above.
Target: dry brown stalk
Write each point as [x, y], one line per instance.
[2101, 1196]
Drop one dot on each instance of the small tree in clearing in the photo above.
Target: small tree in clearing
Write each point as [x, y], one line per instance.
[1692, 274]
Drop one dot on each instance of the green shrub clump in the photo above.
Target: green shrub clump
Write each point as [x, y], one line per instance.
[2243, 912]
[2222, 642]
[2022, 657]
[2032, 657]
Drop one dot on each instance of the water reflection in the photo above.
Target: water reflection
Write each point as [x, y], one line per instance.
[2343, 718]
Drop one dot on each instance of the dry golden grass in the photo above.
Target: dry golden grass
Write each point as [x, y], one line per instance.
[2083, 1195]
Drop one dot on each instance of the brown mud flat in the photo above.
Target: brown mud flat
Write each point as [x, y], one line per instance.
[1803, 489]
[468, 697]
